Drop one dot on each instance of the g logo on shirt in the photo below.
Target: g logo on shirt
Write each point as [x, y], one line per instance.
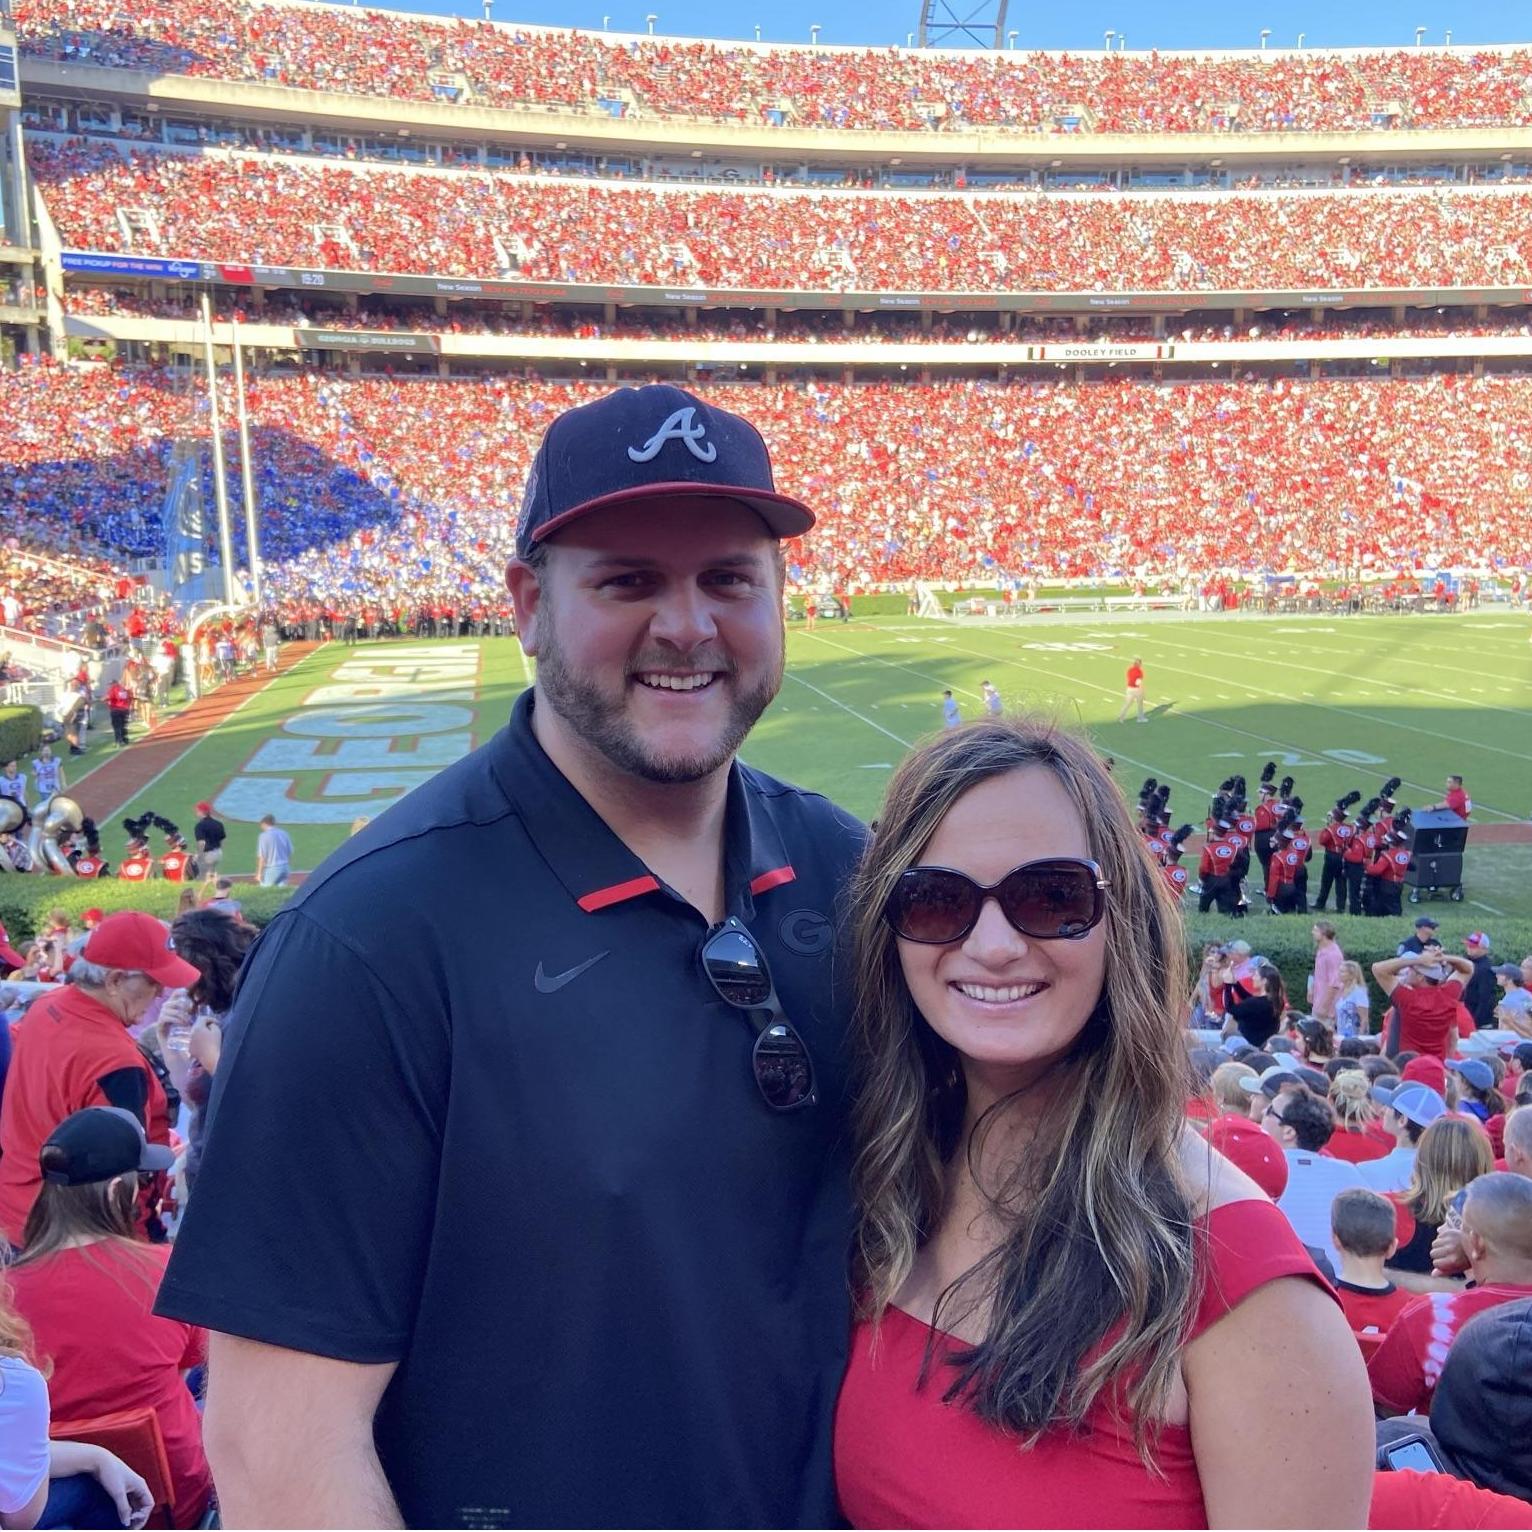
[806, 932]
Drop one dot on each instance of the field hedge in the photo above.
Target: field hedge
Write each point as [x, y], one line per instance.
[1286, 939]
[26, 899]
[21, 730]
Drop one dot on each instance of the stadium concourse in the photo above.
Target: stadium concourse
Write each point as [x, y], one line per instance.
[390, 55]
[261, 210]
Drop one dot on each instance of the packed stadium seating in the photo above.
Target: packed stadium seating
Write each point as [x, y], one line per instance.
[804, 327]
[957, 481]
[239, 209]
[389, 55]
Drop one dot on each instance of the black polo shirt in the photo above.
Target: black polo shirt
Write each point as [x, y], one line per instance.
[480, 1112]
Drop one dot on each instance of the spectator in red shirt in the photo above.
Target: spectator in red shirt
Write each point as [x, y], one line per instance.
[1035, 1040]
[72, 1050]
[87, 1287]
[1425, 1006]
[1363, 1231]
[1497, 1249]
[119, 704]
[1356, 1136]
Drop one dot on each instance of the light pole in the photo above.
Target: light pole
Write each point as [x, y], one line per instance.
[487, 4]
[220, 483]
[1122, 42]
[1301, 36]
[1010, 39]
[909, 39]
[814, 35]
[758, 31]
[1109, 34]
[1265, 33]
[651, 18]
[606, 22]
[1420, 33]
[1447, 36]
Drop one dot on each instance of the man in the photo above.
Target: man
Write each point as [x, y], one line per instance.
[1495, 1239]
[1513, 1010]
[1424, 932]
[951, 717]
[1324, 984]
[209, 832]
[1455, 801]
[273, 853]
[569, 1139]
[1135, 692]
[1425, 1007]
[119, 704]
[1302, 1124]
[992, 703]
[1481, 1411]
[270, 642]
[1408, 1110]
[72, 1049]
[1386, 873]
[1481, 991]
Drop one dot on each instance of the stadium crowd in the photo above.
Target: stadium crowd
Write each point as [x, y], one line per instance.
[947, 481]
[802, 327]
[275, 212]
[367, 52]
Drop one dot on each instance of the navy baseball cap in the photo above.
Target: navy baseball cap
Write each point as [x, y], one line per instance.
[652, 443]
[97, 1143]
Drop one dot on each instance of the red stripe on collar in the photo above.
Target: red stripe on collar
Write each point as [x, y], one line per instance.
[599, 898]
[773, 879]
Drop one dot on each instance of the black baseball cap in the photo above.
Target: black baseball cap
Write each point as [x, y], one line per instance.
[638, 445]
[1425, 920]
[97, 1144]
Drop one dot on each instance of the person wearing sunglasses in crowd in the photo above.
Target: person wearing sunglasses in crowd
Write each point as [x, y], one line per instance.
[570, 1245]
[1073, 1312]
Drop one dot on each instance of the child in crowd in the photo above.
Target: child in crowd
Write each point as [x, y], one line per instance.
[1363, 1229]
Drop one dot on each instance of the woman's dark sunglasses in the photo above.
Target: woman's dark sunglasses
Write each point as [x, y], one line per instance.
[736, 968]
[1057, 899]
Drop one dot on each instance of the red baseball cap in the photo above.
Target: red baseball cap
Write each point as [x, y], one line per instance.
[1427, 1069]
[204, 808]
[1252, 1149]
[94, 915]
[132, 939]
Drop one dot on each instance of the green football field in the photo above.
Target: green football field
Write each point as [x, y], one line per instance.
[1338, 703]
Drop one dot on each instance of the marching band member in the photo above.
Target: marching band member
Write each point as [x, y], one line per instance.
[1336, 835]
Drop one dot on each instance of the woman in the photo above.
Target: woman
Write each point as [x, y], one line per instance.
[1316, 1042]
[43, 1482]
[86, 1287]
[1353, 1007]
[1257, 1017]
[1047, 1254]
[1452, 1152]
[214, 942]
[1355, 1137]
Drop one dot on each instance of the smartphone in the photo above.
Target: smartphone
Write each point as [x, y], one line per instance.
[1413, 1452]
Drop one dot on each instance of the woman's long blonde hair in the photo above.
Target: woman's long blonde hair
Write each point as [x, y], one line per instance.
[1452, 1152]
[1094, 1288]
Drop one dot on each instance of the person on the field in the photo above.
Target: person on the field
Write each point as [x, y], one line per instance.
[951, 717]
[1336, 835]
[1135, 692]
[992, 703]
[1455, 800]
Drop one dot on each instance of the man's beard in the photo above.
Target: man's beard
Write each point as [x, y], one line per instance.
[602, 722]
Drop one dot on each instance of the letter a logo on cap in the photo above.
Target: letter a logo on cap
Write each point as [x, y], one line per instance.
[682, 426]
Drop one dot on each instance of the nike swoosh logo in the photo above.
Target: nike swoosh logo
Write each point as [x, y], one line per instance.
[548, 983]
